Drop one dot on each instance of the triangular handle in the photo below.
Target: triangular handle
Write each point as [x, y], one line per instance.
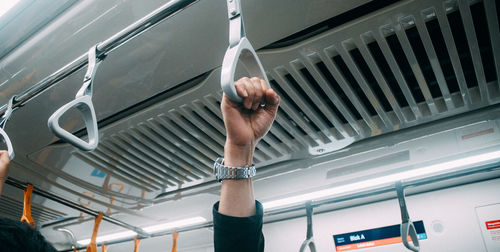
[409, 229]
[7, 141]
[309, 242]
[85, 106]
[245, 53]
[6, 116]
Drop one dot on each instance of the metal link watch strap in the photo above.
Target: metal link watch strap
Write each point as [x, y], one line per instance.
[228, 172]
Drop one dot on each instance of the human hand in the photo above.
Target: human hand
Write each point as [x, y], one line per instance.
[248, 122]
[4, 165]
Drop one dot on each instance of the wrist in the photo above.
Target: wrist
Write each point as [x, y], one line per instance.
[238, 155]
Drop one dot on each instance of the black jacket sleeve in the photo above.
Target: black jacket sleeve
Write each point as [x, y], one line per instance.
[243, 234]
[18, 236]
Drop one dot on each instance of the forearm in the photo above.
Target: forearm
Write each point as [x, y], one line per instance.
[237, 197]
[2, 181]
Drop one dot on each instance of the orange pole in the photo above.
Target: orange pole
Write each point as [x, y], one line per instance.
[175, 235]
[27, 206]
[92, 247]
[136, 244]
[104, 247]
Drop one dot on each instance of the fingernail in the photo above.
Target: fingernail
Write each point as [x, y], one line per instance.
[245, 94]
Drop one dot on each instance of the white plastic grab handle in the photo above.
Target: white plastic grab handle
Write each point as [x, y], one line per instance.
[85, 106]
[7, 141]
[306, 243]
[3, 121]
[244, 52]
[407, 228]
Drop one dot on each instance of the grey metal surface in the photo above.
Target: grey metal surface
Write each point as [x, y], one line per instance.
[48, 195]
[366, 78]
[349, 82]
[12, 208]
[105, 47]
[25, 20]
[399, 68]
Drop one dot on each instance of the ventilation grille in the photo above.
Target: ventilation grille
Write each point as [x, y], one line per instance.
[13, 209]
[354, 82]
[177, 147]
[441, 61]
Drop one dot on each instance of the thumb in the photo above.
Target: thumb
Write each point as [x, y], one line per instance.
[272, 102]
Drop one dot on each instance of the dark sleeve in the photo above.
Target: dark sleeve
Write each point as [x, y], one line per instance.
[18, 236]
[243, 234]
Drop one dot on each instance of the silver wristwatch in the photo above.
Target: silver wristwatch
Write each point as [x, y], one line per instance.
[228, 172]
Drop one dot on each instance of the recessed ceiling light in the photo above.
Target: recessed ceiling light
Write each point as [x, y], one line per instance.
[150, 230]
[374, 182]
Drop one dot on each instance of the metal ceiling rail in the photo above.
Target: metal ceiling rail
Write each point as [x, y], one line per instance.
[147, 22]
[359, 195]
[68, 203]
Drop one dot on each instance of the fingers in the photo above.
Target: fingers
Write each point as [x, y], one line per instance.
[4, 165]
[253, 92]
[272, 101]
[259, 95]
[4, 158]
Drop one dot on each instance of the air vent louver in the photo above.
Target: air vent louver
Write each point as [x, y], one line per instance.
[13, 209]
[440, 61]
[382, 73]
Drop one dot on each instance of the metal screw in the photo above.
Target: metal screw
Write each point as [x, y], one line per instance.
[320, 150]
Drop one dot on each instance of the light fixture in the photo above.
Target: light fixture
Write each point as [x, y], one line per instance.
[150, 230]
[427, 170]
[110, 237]
[6, 5]
[175, 224]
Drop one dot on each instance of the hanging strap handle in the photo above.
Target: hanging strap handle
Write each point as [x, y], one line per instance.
[83, 102]
[309, 237]
[27, 207]
[86, 204]
[175, 235]
[92, 247]
[239, 49]
[104, 247]
[407, 227]
[112, 197]
[6, 116]
[136, 244]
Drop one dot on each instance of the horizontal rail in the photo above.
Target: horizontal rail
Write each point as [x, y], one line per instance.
[147, 22]
[71, 204]
[358, 195]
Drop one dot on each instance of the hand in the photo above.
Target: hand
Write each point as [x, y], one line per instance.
[248, 122]
[4, 165]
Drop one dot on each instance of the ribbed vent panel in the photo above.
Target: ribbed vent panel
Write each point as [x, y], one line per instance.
[440, 61]
[382, 73]
[176, 147]
[13, 209]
